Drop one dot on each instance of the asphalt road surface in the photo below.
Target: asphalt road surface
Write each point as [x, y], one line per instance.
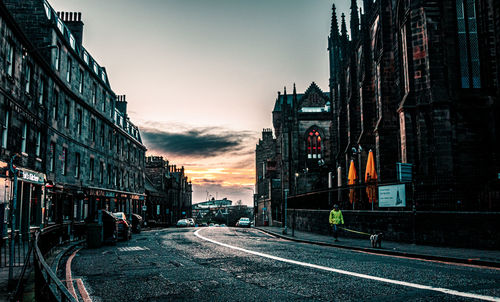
[231, 264]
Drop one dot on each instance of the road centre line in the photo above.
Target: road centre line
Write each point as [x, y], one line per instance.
[364, 276]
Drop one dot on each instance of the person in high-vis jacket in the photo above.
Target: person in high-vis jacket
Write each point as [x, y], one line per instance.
[335, 220]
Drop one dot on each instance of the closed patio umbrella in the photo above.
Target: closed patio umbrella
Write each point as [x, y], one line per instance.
[351, 181]
[371, 179]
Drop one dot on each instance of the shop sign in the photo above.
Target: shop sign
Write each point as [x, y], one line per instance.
[141, 197]
[33, 177]
[110, 194]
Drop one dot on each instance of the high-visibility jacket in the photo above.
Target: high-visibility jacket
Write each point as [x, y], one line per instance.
[336, 217]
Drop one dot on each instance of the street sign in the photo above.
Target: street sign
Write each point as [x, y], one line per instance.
[391, 196]
[405, 172]
[144, 208]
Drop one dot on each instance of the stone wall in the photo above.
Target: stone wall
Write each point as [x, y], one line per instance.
[458, 229]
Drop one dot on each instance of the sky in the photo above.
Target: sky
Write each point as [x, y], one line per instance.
[201, 76]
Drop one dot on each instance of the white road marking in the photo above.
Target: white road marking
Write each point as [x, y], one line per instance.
[364, 276]
[132, 248]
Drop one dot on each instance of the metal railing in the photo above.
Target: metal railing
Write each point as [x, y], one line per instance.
[48, 287]
[445, 195]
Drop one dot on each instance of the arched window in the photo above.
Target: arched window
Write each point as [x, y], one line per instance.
[313, 144]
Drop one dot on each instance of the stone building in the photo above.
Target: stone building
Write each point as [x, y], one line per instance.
[173, 197]
[418, 82]
[91, 153]
[302, 127]
[267, 196]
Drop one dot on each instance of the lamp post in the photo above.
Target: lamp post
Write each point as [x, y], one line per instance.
[285, 229]
[14, 171]
[296, 175]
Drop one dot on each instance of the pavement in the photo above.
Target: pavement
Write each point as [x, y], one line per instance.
[489, 258]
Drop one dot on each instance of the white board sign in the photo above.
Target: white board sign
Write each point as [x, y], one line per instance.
[392, 196]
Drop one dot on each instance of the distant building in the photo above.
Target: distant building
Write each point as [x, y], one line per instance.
[221, 211]
[267, 198]
[169, 191]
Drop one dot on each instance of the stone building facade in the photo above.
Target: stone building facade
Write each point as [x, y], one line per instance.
[173, 197]
[418, 82]
[303, 138]
[76, 128]
[267, 197]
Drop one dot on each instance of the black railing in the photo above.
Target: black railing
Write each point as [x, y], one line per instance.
[48, 287]
[445, 195]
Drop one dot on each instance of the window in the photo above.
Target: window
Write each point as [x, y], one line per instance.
[64, 160]
[404, 53]
[102, 134]
[66, 114]
[5, 129]
[92, 129]
[103, 100]
[77, 165]
[42, 91]
[57, 54]
[94, 93]
[108, 171]
[110, 139]
[101, 172]
[470, 67]
[38, 142]
[80, 85]
[55, 105]
[52, 157]
[79, 118]
[68, 71]
[313, 144]
[10, 58]
[27, 78]
[24, 138]
[91, 167]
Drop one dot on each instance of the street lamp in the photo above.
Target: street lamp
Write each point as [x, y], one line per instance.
[296, 175]
[285, 229]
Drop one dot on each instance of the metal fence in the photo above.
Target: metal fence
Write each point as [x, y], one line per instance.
[431, 196]
[48, 287]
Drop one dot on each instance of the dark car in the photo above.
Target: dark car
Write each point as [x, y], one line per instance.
[136, 223]
[124, 226]
[109, 227]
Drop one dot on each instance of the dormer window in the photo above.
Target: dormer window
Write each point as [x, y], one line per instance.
[314, 145]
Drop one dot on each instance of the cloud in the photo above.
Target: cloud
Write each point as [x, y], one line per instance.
[199, 142]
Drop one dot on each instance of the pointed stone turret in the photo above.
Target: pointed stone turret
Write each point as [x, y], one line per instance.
[354, 20]
[343, 29]
[334, 28]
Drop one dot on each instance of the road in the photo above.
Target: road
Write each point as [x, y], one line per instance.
[230, 264]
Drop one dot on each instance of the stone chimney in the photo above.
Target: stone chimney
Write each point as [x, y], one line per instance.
[73, 21]
[121, 104]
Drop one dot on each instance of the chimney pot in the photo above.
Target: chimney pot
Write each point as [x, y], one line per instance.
[79, 16]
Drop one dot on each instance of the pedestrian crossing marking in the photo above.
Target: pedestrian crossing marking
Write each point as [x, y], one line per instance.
[132, 248]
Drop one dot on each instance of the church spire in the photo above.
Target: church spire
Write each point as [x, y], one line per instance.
[354, 20]
[334, 29]
[343, 30]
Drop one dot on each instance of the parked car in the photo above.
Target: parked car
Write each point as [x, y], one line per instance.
[182, 223]
[136, 223]
[244, 222]
[124, 226]
[109, 227]
[211, 225]
[191, 221]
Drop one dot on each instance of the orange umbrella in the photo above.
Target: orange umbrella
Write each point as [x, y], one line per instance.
[371, 173]
[371, 177]
[351, 180]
